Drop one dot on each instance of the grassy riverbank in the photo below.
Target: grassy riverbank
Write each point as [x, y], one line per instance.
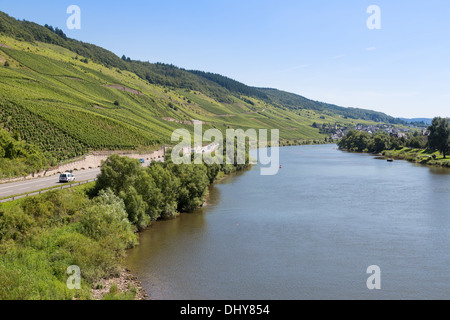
[412, 147]
[421, 156]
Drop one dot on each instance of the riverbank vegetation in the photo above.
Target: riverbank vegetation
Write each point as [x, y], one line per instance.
[41, 236]
[429, 149]
[92, 226]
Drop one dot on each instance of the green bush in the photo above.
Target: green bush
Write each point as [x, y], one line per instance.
[118, 173]
[135, 207]
[41, 236]
[27, 274]
[15, 224]
[107, 220]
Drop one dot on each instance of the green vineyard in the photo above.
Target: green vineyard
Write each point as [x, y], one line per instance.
[65, 98]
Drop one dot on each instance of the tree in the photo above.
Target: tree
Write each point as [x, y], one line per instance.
[60, 33]
[193, 186]
[151, 194]
[169, 185]
[356, 141]
[212, 171]
[118, 173]
[6, 64]
[135, 207]
[439, 138]
[49, 28]
[381, 141]
[107, 219]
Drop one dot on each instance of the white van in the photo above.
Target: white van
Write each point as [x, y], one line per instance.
[66, 177]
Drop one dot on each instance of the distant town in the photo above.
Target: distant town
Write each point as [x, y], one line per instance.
[338, 131]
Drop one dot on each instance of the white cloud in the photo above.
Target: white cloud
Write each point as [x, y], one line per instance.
[371, 48]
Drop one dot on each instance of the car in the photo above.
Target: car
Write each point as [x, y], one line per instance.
[142, 161]
[66, 177]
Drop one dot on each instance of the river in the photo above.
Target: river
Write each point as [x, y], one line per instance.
[309, 232]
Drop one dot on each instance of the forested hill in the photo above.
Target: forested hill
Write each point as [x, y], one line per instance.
[61, 98]
[295, 101]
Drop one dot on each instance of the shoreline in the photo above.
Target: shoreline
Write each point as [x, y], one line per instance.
[124, 282]
[134, 279]
[413, 157]
[427, 160]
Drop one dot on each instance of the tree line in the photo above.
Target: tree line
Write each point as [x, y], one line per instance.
[438, 139]
[162, 190]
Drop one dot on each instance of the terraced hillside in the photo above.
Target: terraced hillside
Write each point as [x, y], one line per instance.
[60, 98]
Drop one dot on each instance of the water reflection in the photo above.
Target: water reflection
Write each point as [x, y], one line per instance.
[439, 170]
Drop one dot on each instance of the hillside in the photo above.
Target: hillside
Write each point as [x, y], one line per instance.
[61, 98]
[295, 102]
[422, 121]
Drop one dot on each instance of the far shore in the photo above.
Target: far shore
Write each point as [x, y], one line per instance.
[418, 156]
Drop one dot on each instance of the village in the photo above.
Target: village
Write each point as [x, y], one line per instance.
[338, 131]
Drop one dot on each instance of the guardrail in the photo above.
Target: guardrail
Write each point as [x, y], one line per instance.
[34, 193]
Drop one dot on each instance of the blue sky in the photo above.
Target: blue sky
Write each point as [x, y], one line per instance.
[321, 49]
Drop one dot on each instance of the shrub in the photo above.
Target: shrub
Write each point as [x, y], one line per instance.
[107, 220]
[27, 274]
[118, 173]
[193, 185]
[15, 224]
[169, 185]
[68, 247]
[136, 208]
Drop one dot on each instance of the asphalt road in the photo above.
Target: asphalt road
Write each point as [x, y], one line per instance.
[28, 186]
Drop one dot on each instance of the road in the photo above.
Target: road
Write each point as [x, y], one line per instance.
[21, 187]
[28, 186]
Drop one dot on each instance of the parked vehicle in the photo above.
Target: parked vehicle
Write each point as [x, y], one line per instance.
[66, 177]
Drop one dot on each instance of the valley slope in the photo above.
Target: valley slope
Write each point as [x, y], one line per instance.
[61, 98]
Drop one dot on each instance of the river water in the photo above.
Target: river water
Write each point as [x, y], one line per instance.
[309, 232]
